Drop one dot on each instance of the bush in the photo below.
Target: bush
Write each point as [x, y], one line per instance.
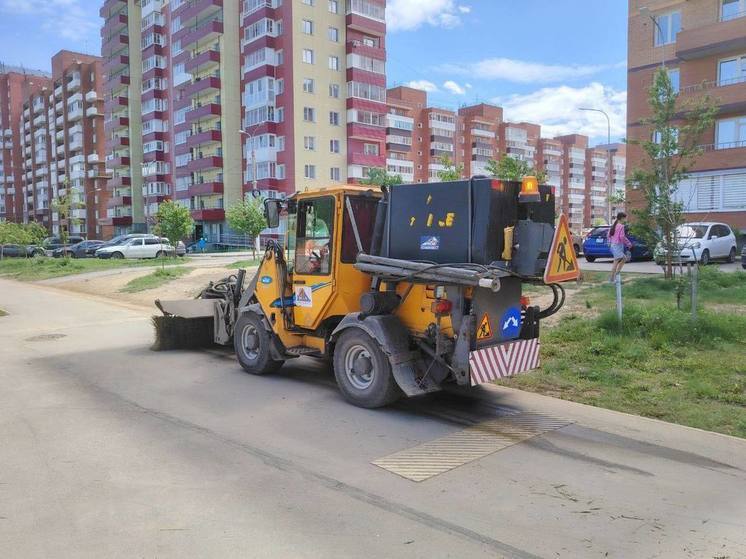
[664, 325]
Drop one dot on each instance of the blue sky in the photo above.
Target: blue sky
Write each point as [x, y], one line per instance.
[539, 59]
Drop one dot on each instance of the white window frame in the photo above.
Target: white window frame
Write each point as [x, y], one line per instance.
[740, 59]
[308, 56]
[658, 39]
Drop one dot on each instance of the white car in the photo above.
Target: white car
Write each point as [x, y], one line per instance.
[702, 242]
[140, 247]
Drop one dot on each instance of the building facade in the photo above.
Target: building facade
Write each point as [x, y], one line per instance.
[702, 44]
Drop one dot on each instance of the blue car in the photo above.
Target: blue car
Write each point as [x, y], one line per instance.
[596, 245]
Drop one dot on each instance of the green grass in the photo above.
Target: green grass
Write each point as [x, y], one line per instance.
[3, 313]
[660, 363]
[244, 263]
[156, 279]
[32, 269]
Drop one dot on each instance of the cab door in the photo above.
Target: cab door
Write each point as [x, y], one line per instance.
[314, 262]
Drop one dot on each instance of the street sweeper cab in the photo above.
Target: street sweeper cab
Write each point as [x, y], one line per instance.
[405, 289]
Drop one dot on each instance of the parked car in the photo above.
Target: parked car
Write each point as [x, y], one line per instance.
[743, 257]
[21, 251]
[84, 249]
[139, 247]
[53, 243]
[577, 243]
[596, 245]
[121, 239]
[702, 242]
[181, 249]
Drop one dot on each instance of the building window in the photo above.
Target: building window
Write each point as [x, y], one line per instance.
[668, 27]
[675, 76]
[334, 63]
[732, 70]
[333, 34]
[334, 90]
[334, 146]
[307, 27]
[370, 149]
[309, 143]
[308, 56]
[308, 2]
[309, 171]
[730, 133]
[309, 114]
[334, 6]
[731, 9]
[334, 118]
[334, 174]
[308, 85]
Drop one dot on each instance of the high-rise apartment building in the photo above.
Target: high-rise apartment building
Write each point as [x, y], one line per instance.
[477, 144]
[702, 44]
[220, 97]
[58, 146]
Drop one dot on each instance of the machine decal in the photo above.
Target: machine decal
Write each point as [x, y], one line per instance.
[266, 280]
[484, 331]
[510, 324]
[503, 360]
[293, 300]
[428, 242]
[563, 262]
[303, 296]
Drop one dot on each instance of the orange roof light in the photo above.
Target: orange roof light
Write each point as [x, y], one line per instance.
[529, 190]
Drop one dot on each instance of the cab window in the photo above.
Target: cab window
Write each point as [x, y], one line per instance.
[313, 250]
[364, 209]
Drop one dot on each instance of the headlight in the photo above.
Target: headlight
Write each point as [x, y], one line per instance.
[696, 245]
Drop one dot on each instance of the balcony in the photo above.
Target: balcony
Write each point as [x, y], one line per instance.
[712, 39]
[116, 63]
[205, 163]
[200, 35]
[202, 62]
[730, 95]
[205, 111]
[200, 189]
[205, 137]
[116, 123]
[365, 132]
[91, 97]
[76, 114]
[73, 84]
[92, 112]
[115, 201]
[211, 214]
[119, 142]
[120, 181]
[93, 158]
[118, 162]
[201, 9]
[357, 47]
[360, 22]
[205, 85]
[366, 160]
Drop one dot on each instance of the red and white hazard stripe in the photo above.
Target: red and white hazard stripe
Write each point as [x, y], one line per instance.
[503, 360]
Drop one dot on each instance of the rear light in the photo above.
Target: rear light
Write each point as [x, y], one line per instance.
[525, 301]
[441, 306]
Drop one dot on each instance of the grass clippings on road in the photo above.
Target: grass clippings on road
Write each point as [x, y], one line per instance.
[156, 279]
[3, 313]
[661, 363]
[39, 268]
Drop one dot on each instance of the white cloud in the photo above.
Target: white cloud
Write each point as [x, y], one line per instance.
[521, 71]
[405, 15]
[557, 109]
[454, 88]
[424, 85]
[71, 19]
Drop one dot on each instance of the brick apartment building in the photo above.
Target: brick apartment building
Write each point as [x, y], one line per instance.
[702, 43]
[51, 144]
[418, 136]
[304, 80]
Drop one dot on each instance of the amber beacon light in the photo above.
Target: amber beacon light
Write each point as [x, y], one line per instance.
[529, 190]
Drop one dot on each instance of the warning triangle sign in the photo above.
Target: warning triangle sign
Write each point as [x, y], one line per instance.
[563, 262]
[485, 330]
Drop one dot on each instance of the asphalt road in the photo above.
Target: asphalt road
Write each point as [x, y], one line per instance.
[110, 450]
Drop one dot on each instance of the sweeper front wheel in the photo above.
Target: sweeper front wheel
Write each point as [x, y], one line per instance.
[252, 344]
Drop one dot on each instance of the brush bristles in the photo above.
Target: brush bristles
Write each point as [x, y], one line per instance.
[173, 332]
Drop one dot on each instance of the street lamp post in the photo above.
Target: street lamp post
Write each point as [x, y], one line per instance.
[645, 11]
[608, 159]
[250, 135]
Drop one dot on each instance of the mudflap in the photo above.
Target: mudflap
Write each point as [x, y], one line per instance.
[503, 360]
[407, 366]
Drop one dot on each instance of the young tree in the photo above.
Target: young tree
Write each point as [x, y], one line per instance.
[10, 234]
[247, 217]
[63, 206]
[511, 169]
[452, 172]
[674, 145]
[378, 176]
[173, 221]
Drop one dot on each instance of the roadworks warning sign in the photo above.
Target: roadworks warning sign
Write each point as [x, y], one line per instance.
[303, 296]
[484, 332]
[563, 262]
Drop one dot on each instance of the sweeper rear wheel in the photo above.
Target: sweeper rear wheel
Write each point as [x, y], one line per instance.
[252, 344]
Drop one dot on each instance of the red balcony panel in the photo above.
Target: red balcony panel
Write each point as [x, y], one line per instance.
[263, 41]
[366, 160]
[120, 220]
[210, 109]
[119, 142]
[203, 33]
[114, 104]
[261, 13]
[357, 47]
[366, 25]
[154, 73]
[207, 57]
[197, 10]
[109, 6]
[152, 156]
[202, 86]
[153, 136]
[266, 70]
[118, 182]
[118, 162]
[115, 201]
[204, 137]
[365, 105]
[357, 75]
[114, 24]
[154, 94]
[212, 214]
[182, 57]
[365, 132]
[118, 81]
[200, 189]
[212, 162]
[114, 44]
[152, 50]
[116, 124]
[115, 63]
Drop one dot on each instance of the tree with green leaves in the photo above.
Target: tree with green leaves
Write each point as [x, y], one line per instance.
[451, 171]
[377, 176]
[512, 169]
[63, 206]
[173, 221]
[247, 217]
[676, 132]
[32, 233]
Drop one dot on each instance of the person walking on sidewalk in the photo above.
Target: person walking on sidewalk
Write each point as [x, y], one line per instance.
[619, 243]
